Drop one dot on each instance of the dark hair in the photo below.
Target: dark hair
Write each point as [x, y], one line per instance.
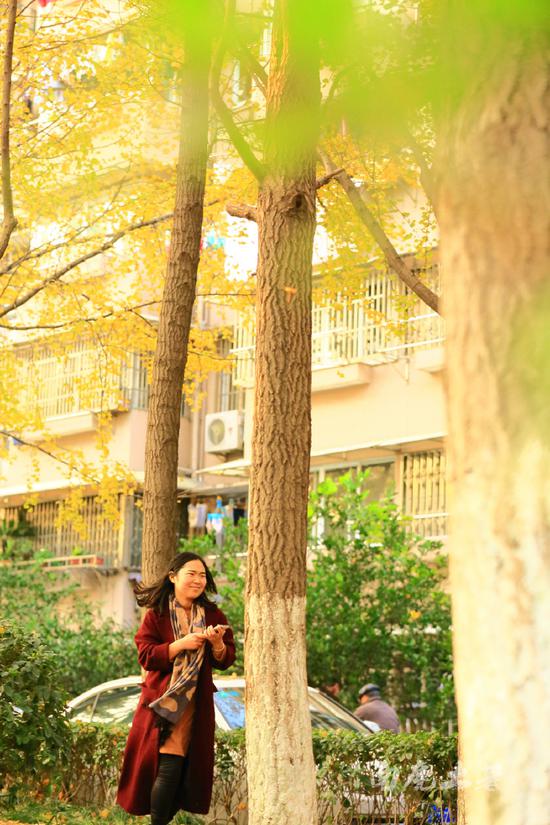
[156, 595]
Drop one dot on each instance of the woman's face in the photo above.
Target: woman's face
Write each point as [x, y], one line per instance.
[189, 581]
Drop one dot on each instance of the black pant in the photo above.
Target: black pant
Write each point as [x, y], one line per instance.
[164, 794]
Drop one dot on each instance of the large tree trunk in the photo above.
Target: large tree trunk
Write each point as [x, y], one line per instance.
[281, 775]
[495, 235]
[163, 422]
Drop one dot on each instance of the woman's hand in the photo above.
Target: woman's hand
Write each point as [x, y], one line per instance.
[192, 641]
[214, 635]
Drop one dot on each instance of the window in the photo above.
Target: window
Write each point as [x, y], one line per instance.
[228, 396]
[117, 706]
[384, 324]
[423, 492]
[380, 480]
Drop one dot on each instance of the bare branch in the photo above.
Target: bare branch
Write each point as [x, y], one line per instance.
[241, 210]
[9, 221]
[320, 182]
[254, 65]
[117, 313]
[62, 324]
[237, 139]
[59, 273]
[47, 248]
[393, 258]
[245, 210]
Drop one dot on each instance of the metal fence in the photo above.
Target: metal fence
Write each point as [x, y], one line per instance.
[385, 323]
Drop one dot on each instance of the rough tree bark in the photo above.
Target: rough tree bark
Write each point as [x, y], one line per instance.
[163, 422]
[495, 229]
[281, 776]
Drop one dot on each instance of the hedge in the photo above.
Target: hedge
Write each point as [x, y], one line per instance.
[404, 778]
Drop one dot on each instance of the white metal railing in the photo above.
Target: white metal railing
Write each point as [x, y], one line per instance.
[68, 382]
[81, 378]
[94, 561]
[370, 329]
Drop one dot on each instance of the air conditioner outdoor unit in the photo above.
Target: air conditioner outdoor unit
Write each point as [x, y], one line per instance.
[223, 432]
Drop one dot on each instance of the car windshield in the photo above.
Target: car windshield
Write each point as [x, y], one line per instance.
[114, 706]
[328, 714]
[324, 713]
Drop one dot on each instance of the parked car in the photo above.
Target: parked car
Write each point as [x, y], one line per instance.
[115, 702]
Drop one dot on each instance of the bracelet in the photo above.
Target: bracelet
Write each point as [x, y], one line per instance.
[218, 651]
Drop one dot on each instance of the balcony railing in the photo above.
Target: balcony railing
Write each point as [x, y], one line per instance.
[97, 545]
[369, 330]
[82, 379]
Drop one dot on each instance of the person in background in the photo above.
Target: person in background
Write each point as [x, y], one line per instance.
[332, 689]
[169, 758]
[372, 708]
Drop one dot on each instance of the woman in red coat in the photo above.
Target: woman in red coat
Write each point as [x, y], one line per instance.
[169, 757]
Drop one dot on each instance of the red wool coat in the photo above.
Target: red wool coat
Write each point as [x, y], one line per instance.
[140, 764]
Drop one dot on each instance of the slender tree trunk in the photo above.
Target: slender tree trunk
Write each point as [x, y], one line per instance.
[163, 422]
[495, 230]
[8, 218]
[281, 775]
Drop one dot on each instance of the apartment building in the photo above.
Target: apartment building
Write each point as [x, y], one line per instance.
[377, 402]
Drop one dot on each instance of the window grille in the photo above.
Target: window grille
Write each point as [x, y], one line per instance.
[136, 536]
[424, 492]
[80, 379]
[229, 396]
[62, 540]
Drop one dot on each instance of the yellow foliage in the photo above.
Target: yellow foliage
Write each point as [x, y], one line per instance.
[94, 136]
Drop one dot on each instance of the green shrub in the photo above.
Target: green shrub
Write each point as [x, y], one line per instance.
[93, 764]
[388, 777]
[376, 607]
[34, 734]
[86, 649]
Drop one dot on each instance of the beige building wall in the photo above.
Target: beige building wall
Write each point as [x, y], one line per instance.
[395, 402]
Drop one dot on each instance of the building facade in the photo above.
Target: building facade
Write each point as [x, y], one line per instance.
[377, 403]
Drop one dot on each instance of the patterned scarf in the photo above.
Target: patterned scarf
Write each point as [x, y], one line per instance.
[187, 664]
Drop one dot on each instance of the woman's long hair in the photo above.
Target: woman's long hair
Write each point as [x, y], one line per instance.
[156, 595]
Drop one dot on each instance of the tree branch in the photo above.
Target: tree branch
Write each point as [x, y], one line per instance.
[59, 273]
[9, 221]
[427, 177]
[393, 258]
[90, 479]
[320, 182]
[242, 210]
[235, 135]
